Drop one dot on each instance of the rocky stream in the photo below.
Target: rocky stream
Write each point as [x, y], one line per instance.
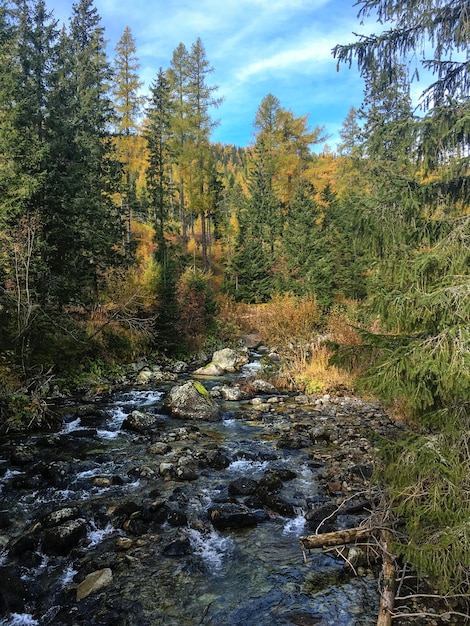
[146, 509]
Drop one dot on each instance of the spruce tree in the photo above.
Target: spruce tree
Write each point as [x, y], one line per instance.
[81, 226]
[158, 133]
[421, 360]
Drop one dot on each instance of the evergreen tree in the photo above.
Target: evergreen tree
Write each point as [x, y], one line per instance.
[178, 77]
[300, 244]
[27, 42]
[421, 360]
[200, 100]
[128, 104]
[81, 225]
[159, 135]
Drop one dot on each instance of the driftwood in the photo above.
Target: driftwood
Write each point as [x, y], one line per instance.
[337, 538]
[340, 537]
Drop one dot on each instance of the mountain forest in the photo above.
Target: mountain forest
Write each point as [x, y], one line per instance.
[126, 233]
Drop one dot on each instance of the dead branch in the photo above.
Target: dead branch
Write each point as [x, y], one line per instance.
[387, 597]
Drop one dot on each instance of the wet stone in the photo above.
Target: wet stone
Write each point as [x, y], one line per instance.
[231, 516]
[243, 486]
[177, 547]
[60, 540]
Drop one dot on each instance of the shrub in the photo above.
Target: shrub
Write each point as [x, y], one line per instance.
[196, 307]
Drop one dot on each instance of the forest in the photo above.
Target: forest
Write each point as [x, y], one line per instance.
[126, 233]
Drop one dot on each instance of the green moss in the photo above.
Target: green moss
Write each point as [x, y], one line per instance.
[201, 389]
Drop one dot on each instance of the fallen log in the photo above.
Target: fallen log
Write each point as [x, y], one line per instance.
[341, 537]
[336, 538]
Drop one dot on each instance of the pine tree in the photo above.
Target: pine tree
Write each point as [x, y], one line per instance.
[81, 225]
[128, 104]
[178, 77]
[200, 99]
[159, 136]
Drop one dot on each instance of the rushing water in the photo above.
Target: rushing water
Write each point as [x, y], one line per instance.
[253, 576]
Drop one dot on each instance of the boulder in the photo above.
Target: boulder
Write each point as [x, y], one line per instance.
[144, 377]
[252, 341]
[60, 516]
[210, 370]
[178, 547]
[243, 486]
[229, 360]
[61, 539]
[262, 386]
[191, 401]
[140, 422]
[23, 454]
[275, 502]
[232, 394]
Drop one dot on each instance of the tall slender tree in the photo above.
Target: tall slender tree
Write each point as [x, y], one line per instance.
[159, 139]
[128, 102]
[178, 77]
[200, 100]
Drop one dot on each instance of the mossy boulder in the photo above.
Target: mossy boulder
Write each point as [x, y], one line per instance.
[192, 401]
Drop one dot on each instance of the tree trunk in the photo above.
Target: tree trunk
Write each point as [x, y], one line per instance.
[387, 598]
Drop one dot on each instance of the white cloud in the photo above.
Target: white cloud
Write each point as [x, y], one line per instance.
[318, 50]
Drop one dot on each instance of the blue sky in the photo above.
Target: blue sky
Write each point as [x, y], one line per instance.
[256, 47]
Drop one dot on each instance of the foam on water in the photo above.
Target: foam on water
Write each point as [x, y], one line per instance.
[20, 619]
[97, 535]
[142, 397]
[244, 465]
[70, 426]
[8, 475]
[67, 576]
[211, 547]
[294, 526]
[229, 423]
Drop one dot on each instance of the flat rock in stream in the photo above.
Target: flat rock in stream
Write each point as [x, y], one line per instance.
[232, 516]
[192, 401]
[94, 582]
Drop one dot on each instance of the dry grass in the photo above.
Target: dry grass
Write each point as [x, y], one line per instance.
[296, 329]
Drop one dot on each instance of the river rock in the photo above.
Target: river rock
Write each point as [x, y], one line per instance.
[210, 370]
[192, 401]
[22, 455]
[94, 582]
[229, 360]
[275, 502]
[216, 459]
[61, 539]
[159, 447]
[177, 547]
[60, 516]
[232, 394]
[262, 386]
[243, 486]
[140, 422]
[230, 515]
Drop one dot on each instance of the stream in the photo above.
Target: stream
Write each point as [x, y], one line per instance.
[148, 509]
